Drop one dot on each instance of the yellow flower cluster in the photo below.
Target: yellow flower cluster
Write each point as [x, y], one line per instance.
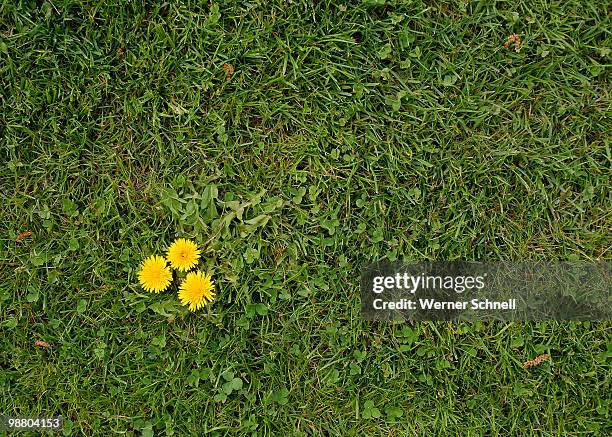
[196, 290]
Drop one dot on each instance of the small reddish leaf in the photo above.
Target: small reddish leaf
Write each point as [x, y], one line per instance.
[229, 71]
[536, 361]
[40, 343]
[22, 235]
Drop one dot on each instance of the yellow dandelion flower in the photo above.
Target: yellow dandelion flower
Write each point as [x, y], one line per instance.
[154, 274]
[183, 254]
[196, 290]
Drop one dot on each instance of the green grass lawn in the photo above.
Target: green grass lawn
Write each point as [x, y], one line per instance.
[297, 141]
